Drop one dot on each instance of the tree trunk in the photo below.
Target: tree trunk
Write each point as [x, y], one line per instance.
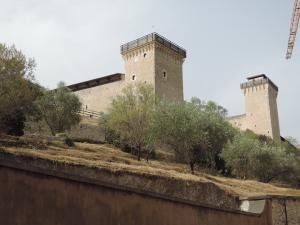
[139, 153]
[148, 153]
[192, 167]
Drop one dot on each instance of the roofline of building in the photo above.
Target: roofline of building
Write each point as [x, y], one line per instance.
[96, 82]
[236, 116]
[129, 46]
[257, 76]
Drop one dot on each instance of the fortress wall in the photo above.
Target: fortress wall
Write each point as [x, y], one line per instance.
[99, 98]
[34, 198]
[238, 121]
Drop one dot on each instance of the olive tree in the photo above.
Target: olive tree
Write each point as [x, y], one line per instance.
[239, 155]
[131, 117]
[249, 157]
[179, 124]
[59, 108]
[218, 133]
[292, 165]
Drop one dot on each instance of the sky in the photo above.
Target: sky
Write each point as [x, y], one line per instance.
[226, 41]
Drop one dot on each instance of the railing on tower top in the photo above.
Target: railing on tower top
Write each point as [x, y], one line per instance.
[153, 37]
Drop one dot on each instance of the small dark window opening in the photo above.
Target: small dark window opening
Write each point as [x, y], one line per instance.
[164, 74]
[133, 77]
[145, 55]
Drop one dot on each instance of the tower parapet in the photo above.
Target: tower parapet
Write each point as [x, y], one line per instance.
[150, 38]
[258, 80]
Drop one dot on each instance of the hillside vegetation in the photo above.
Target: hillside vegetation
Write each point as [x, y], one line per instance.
[110, 157]
[138, 122]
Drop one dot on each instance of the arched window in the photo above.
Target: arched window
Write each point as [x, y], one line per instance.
[133, 77]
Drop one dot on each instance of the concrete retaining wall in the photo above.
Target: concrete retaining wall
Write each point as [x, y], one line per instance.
[31, 194]
[32, 198]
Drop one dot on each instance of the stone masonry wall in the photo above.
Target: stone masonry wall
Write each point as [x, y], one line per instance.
[286, 211]
[168, 74]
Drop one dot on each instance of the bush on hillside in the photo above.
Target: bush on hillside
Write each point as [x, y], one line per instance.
[180, 125]
[59, 109]
[69, 142]
[129, 119]
[251, 157]
[218, 133]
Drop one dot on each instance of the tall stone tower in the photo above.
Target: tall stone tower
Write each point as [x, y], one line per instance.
[261, 106]
[155, 60]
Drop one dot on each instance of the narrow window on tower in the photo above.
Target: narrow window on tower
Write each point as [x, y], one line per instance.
[164, 75]
[133, 77]
[145, 55]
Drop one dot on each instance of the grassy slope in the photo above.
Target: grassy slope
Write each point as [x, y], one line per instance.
[107, 156]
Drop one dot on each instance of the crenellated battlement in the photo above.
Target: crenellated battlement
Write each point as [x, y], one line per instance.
[258, 80]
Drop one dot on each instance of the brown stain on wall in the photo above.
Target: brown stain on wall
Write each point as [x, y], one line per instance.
[32, 198]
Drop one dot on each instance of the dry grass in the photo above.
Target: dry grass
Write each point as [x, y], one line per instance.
[90, 121]
[107, 156]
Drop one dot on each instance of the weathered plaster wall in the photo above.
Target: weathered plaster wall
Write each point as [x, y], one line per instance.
[31, 198]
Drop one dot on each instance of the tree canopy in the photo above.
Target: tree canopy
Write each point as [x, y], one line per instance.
[59, 108]
[131, 116]
[17, 90]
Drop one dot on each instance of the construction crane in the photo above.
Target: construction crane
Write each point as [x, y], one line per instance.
[293, 29]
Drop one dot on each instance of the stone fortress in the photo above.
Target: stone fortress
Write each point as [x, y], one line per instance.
[151, 59]
[155, 60]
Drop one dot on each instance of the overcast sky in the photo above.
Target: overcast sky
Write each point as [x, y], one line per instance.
[226, 41]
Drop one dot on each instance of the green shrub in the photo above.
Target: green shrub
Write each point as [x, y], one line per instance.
[59, 109]
[251, 157]
[130, 117]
